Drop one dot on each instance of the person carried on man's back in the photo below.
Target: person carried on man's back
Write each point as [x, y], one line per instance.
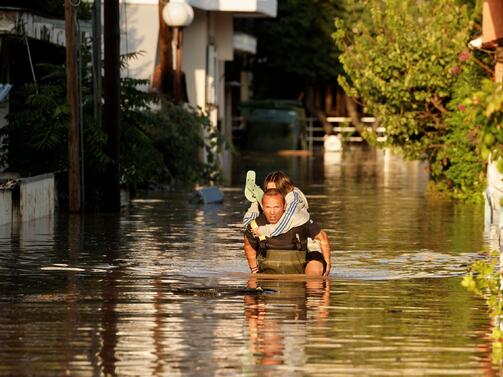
[286, 252]
[296, 211]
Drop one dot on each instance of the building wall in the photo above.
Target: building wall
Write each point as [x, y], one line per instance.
[494, 208]
[224, 32]
[492, 27]
[5, 207]
[195, 40]
[37, 197]
[4, 79]
[207, 44]
[139, 24]
[4, 111]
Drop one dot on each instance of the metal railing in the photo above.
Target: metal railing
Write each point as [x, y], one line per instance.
[342, 130]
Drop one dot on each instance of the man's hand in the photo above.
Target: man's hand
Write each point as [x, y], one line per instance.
[256, 232]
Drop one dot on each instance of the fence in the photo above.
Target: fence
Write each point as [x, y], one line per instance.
[342, 130]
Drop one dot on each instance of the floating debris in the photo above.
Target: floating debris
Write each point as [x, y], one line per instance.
[61, 267]
[218, 291]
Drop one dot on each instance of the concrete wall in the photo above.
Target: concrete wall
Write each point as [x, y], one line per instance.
[492, 27]
[5, 207]
[493, 207]
[27, 199]
[139, 24]
[37, 196]
[194, 58]
[4, 111]
[224, 35]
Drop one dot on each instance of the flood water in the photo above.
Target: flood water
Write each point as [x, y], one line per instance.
[161, 289]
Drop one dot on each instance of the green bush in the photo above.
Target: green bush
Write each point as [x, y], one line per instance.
[485, 110]
[399, 63]
[457, 167]
[484, 280]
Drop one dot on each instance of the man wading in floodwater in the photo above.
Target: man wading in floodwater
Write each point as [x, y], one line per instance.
[285, 253]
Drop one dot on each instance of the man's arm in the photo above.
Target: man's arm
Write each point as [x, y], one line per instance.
[325, 249]
[251, 256]
[251, 214]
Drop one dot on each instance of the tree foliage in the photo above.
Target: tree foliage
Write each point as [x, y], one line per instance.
[401, 64]
[160, 141]
[484, 280]
[407, 62]
[457, 167]
[295, 51]
[485, 111]
[299, 41]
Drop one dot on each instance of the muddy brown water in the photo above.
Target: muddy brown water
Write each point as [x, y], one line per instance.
[163, 289]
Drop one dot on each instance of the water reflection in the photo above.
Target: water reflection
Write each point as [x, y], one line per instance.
[277, 323]
[107, 295]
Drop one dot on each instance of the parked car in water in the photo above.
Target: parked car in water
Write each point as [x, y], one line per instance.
[270, 125]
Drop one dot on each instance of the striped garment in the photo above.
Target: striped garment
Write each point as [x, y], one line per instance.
[295, 214]
[251, 214]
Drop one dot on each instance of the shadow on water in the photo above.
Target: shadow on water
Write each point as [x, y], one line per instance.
[163, 289]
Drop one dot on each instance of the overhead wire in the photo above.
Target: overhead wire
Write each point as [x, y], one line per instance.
[30, 59]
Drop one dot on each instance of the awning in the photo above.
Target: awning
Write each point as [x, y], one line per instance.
[245, 8]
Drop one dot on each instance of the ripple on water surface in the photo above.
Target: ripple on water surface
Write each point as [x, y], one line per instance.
[163, 289]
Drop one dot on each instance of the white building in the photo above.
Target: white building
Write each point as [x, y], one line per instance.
[208, 43]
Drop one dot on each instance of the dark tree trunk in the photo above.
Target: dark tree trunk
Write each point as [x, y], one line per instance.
[353, 113]
[329, 100]
[314, 107]
[340, 103]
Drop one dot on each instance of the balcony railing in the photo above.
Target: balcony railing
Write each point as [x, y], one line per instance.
[341, 127]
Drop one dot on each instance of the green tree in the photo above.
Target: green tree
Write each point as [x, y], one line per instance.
[457, 167]
[484, 280]
[160, 141]
[400, 64]
[296, 57]
[406, 61]
[299, 41]
[484, 111]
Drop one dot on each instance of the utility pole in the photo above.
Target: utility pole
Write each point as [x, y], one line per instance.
[73, 98]
[111, 109]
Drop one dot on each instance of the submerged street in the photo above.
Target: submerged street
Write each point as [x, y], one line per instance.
[155, 290]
